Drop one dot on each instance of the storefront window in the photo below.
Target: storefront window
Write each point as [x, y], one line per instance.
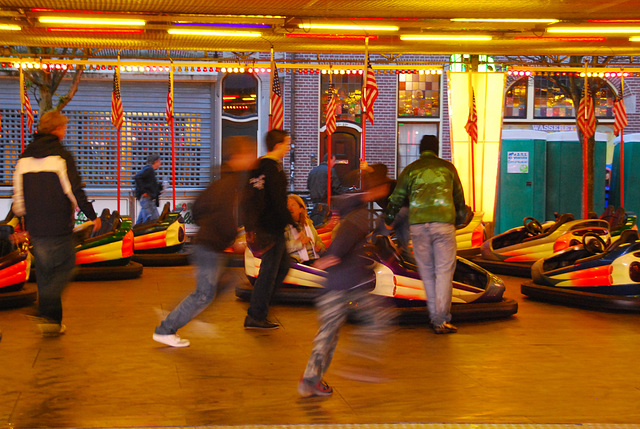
[418, 95]
[239, 95]
[409, 136]
[551, 102]
[515, 104]
[349, 90]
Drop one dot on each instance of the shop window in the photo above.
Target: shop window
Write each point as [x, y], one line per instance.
[515, 104]
[409, 136]
[239, 94]
[348, 88]
[418, 95]
[551, 102]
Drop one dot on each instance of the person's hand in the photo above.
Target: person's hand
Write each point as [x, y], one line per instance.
[326, 262]
[97, 224]
[364, 166]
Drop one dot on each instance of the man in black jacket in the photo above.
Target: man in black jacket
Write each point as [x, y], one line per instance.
[216, 213]
[148, 189]
[46, 190]
[266, 216]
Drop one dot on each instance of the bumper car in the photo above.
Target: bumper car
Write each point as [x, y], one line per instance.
[514, 251]
[477, 294]
[106, 254]
[161, 242]
[591, 275]
[471, 236]
[15, 266]
[619, 221]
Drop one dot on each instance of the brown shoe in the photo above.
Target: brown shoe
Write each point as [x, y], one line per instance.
[444, 328]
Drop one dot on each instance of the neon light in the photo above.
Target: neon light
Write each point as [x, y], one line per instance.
[445, 37]
[94, 30]
[515, 20]
[90, 21]
[214, 33]
[329, 36]
[562, 39]
[209, 24]
[634, 39]
[348, 27]
[7, 27]
[614, 20]
[611, 30]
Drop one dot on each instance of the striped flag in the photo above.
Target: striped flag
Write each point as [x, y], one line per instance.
[620, 112]
[330, 113]
[170, 100]
[277, 111]
[27, 108]
[586, 114]
[369, 92]
[472, 122]
[117, 114]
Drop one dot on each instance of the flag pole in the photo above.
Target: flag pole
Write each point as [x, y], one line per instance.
[363, 145]
[271, 89]
[622, 151]
[471, 148]
[585, 164]
[173, 141]
[118, 148]
[329, 146]
[21, 110]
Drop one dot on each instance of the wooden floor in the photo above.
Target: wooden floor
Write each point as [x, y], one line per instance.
[547, 364]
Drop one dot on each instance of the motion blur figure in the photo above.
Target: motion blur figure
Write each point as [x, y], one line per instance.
[148, 189]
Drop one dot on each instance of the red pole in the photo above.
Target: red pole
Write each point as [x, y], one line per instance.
[622, 168]
[329, 171]
[21, 132]
[173, 161]
[118, 166]
[473, 175]
[585, 185]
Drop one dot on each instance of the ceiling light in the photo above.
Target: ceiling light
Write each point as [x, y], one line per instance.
[516, 20]
[211, 24]
[94, 30]
[328, 36]
[348, 27]
[8, 27]
[618, 30]
[562, 39]
[634, 39]
[90, 21]
[214, 33]
[443, 37]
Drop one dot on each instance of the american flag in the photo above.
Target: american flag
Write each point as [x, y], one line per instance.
[472, 122]
[369, 92]
[277, 111]
[620, 112]
[170, 101]
[28, 109]
[117, 113]
[586, 114]
[331, 112]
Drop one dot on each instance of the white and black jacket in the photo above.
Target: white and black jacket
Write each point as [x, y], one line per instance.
[47, 188]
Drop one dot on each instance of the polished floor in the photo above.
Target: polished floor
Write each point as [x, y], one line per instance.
[549, 364]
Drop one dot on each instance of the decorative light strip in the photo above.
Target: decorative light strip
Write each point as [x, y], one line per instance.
[211, 24]
[214, 33]
[561, 39]
[611, 21]
[602, 74]
[442, 37]
[607, 30]
[8, 27]
[634, 39]
[309, 26]
[513, 20]
[328, 36]
[90, 21]
[94, 30]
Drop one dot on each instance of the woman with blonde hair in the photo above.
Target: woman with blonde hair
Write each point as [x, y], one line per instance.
[303, 242]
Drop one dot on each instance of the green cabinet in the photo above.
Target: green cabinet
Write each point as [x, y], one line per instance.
[631, 174]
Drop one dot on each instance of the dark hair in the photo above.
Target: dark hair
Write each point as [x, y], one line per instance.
[429, 142]
[325, 158]
[152, 158]
[274, 137]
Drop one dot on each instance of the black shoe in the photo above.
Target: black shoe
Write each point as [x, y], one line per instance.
[445, 328]
[251, 323]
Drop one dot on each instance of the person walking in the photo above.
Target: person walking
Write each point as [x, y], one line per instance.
[317, 184]
[215, 211]
[46, 190]
[431, 187]
[266, 217]
[349, 280]
[148, 189]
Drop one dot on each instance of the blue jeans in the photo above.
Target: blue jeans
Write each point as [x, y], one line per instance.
[209, 267]
[55, 259]
[148, 210]
[434, 247]
[273, 269]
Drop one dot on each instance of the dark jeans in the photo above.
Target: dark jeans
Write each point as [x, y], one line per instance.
[55, 264]
[273, 269]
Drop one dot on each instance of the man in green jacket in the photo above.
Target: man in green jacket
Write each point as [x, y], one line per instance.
[430, 186]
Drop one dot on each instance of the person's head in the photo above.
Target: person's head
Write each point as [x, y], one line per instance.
[429, 142]
[376, 184]
[297, 208]
[325, 158]
[53, 122]
[154, 161]
[278, 142]
[239, 152]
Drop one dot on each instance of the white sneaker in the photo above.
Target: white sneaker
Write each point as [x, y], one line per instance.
[172, 340]
[51, 329]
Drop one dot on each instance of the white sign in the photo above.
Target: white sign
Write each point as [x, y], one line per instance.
[517, 162]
